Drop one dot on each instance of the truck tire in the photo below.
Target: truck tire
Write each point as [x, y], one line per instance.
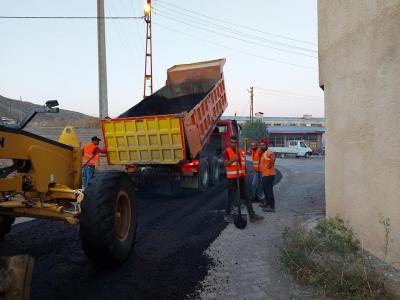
[215, 171]
[307, 155]
[5, 226]
[108, 219]
[203, 176]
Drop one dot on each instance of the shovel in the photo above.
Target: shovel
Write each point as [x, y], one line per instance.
[239, 219]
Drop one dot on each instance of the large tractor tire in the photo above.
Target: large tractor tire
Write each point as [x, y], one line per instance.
[203, 175]
[5, 226]
[108, 220]
[215, 171]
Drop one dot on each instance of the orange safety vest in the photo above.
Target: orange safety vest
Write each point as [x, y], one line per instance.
[267, 165]
[236, 169]
[88, 158]
[256, 157]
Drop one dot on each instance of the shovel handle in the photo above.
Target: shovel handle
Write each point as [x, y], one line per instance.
[246, 141]
[237, 179]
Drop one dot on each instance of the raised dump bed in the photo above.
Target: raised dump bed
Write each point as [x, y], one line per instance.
[174, 124]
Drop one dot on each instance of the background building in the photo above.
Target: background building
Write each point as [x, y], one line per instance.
[279, 136]
[306, 120]
[284, 129]
[359, 60]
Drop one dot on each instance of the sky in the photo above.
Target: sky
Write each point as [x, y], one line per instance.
[268, 44]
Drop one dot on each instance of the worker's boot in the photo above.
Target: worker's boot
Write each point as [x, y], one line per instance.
[228, 218]
[263, 204]
[269, 209]
[254, 218]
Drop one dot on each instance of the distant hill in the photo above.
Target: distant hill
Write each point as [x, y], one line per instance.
[16, 110]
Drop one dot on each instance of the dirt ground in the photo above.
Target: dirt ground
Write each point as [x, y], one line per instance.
[247, 261]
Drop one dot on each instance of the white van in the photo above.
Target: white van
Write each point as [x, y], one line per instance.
[296, 148]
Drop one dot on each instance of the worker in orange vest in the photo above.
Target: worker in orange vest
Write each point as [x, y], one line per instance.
[257, 193]
[267, 167]
[91, 159]
[234, 161]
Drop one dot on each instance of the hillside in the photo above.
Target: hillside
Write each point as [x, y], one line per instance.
[16, 110]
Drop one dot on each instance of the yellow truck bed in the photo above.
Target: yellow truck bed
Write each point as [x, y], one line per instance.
[150, 140]
[173, 124]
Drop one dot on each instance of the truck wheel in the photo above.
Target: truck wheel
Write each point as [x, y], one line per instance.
[5, 226]
[307, 155]
[108, 220]
[215, 171]
[203, 175]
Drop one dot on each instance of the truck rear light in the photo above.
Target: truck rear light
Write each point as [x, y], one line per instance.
[190, 167]
[194, 163]
[132, 168]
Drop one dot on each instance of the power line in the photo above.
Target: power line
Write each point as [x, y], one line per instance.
[285, 92]
[231, 30]
[67, 17]
[235, 49]
[124, 42]
[134, 32]
[234, 37]
[244, 108]
[290, 97]
[234, 24]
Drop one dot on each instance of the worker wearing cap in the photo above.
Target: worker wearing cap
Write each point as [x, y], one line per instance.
[91, 159]
[267, 167]
[234, 161]
[256, 188]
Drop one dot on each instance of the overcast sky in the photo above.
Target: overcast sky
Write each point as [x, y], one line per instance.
[268, 44]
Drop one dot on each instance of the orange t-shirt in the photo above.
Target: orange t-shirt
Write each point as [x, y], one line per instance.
[267, 165]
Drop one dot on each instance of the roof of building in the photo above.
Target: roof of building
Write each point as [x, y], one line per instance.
[278, 119]
[295, 129]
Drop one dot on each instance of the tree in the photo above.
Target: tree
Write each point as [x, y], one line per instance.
[255, 130]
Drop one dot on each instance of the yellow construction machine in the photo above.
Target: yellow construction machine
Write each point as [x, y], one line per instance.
[41, 178]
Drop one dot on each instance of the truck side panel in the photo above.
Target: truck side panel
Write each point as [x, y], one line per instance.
[201, 120]
[148, 140]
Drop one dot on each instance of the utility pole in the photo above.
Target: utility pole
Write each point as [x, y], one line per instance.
[148, 65]
[251, 91]
[101, 40]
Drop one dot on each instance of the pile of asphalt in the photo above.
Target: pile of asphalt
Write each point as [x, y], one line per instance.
[168, 260]
[158, 105]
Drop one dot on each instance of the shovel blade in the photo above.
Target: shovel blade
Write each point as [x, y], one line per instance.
[240, 221]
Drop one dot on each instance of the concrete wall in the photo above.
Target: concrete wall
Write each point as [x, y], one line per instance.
[359, 56]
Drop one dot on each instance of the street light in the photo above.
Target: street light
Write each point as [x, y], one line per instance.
[147, 8]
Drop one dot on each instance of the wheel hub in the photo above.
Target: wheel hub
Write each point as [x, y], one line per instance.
[123, 213]
[205, 178]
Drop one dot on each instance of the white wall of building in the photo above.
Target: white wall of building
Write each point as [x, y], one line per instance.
[359, 56]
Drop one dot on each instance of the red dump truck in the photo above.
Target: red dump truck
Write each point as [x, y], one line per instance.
[174, 138]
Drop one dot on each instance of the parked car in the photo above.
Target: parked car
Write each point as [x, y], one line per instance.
[296, 148]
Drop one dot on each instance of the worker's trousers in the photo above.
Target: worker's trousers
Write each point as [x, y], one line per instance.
[268, 185]
[232, 188]
[256, 186]
[88, 172]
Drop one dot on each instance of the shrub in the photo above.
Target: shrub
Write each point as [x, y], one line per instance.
[331, 258]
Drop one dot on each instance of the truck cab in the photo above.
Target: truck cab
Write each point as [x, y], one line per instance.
[226, 128]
